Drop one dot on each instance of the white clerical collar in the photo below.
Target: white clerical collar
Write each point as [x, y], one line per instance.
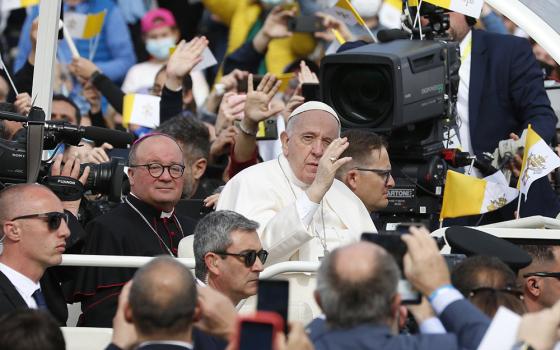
[167, 342]
[24, 285]
[290, 174]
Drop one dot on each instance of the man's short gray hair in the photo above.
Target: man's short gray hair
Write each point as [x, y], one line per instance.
[348, 303]
[212, 234]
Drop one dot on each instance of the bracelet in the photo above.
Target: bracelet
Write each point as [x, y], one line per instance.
[436, 292]
[245, 131]
[94, 76]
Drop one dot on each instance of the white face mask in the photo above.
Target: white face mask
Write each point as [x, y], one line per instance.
[159, 48]
[367, 8]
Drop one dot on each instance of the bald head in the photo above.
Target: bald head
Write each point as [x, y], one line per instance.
[140, 144]
[356, 284]
[24, 199]
[163, 298]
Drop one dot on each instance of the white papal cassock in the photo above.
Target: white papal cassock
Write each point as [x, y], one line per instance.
[291, 226]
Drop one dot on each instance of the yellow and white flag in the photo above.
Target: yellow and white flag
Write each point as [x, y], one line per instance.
[390, 14]
[344, 11]
[141, 110]
[465, 195]
[538, 160]
[84, 26]
[467, 7]
[8, 5]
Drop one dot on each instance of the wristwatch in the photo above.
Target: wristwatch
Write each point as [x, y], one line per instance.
[522, 345]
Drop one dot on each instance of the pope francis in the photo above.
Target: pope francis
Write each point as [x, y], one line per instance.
[303, 211]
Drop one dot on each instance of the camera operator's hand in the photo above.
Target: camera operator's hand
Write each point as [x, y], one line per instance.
[275, 26]
[424, 267]
[326, 169]
[83, 68]
[217, 313]
[22, 103]
[99, 154]
[182, 61]
[258, 105]
[541, 329]
[70, 169]
[330, 23]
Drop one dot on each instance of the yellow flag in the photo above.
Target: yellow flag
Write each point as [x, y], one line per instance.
[465, 195]
[285, 80]
[141, 110]
[84, 26]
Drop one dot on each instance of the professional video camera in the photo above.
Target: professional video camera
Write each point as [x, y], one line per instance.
[407, 90]
[21, 159]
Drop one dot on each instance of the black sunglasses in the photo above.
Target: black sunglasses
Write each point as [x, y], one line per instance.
[508, 290]
[543, 274]
[249, 256]
[53, 218]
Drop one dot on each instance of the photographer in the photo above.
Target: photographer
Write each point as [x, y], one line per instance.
[357, 291]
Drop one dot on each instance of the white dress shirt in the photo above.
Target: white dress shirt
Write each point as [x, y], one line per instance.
[25, 286]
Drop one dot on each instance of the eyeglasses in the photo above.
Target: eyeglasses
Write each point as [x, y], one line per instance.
[53, 218]
[156, 170]
[509, 290]
[384, 173]
[543, 274]
[249, 256]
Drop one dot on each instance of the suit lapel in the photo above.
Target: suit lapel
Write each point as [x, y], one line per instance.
[11, 293]
[478, 67]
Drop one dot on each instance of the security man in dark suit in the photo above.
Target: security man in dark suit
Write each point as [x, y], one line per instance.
[501, 92]
[34, 229]
[357, 291]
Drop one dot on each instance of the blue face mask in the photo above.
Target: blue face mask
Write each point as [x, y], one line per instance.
[159, 48]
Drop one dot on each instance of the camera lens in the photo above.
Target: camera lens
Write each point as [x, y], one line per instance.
[105, 178]
[364, 94]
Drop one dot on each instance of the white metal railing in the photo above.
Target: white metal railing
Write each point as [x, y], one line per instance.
[138, 261]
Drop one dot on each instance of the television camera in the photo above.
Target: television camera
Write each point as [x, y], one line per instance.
[21, 159]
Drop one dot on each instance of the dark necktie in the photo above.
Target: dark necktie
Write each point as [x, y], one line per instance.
[40, 299]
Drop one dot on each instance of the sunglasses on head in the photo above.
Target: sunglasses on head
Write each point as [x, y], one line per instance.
[53, 218]
[249, 256]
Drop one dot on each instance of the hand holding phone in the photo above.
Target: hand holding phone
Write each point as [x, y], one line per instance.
[258, 331]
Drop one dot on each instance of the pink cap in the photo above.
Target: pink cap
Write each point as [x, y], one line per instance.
[157, 18]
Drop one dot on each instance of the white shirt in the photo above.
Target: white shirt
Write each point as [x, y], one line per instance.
[463, 94]
[140, 77]
[24, 285]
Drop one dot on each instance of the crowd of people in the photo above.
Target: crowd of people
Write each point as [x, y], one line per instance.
[307, 194]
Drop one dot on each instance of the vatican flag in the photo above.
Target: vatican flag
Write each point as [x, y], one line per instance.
[467, 7]
[84, 26]
[538, 161]
[344, 11]
[467, 195]
[8, 5]
[141, 110]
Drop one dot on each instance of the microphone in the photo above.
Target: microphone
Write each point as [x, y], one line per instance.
[72, 134]
[118, 139]
[388, 35]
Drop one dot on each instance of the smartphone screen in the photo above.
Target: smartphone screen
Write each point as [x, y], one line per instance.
[395, 246]
[255, 335]
[273, 296]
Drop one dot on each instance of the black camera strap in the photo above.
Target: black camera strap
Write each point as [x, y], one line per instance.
[66, 188]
